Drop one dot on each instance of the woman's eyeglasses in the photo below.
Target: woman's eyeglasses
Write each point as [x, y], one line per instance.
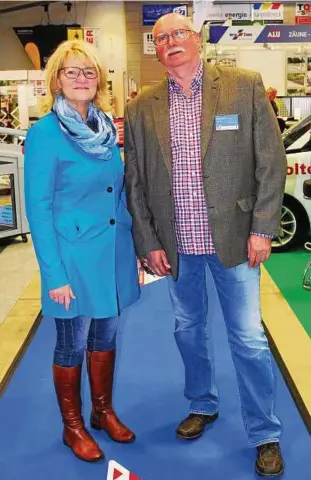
[73, 72]
[177, 35]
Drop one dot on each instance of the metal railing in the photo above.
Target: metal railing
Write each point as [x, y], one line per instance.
[18, 135]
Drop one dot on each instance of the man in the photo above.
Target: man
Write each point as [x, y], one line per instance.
[133, 94]
[205, 173]
[272, 93]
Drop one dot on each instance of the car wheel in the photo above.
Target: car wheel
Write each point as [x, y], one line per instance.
[293, 227]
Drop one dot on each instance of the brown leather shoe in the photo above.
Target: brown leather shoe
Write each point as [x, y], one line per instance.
[67, 381]
[269, 461]
[100, 367]
[194, 425]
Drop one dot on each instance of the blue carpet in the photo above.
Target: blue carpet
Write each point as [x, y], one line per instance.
[149, 398]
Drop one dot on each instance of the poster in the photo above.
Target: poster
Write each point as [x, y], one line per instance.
[303, 13]
[74, 33]
[149, 47]
[91, 35]
[40, 41]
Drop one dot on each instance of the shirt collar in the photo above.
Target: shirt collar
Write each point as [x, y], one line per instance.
[195, 84]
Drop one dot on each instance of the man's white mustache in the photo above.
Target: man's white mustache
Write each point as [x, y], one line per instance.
[174, 50]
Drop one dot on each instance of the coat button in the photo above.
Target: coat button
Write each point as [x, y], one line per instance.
[78, 228]
[109, 189]
[112, 221]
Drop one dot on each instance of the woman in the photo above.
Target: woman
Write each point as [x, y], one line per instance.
[81, 231]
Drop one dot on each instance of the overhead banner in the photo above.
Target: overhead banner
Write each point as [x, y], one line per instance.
[227, 35]
[242, 1]
[40, 41]
[221, 13]
[152, 12]
[303, 13]
[265, 12]
[260, 34]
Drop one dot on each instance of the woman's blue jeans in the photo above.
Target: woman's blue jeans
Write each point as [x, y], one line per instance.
[75, 335]
[239, 295]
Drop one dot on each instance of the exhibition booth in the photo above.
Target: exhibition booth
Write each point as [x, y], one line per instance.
[250, 36]
[273, 39]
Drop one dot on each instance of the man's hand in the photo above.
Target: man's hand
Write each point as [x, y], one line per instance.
[158, 262]
[62, 295]
[259, 249]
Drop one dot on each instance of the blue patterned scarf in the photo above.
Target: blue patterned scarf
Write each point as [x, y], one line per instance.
[96, 136]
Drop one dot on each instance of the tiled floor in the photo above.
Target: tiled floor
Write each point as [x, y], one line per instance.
[19, 301]
[17, 268]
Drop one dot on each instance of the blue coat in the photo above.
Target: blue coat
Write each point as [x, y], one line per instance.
[79, 222]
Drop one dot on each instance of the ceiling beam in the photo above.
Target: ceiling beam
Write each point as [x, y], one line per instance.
[24, 6]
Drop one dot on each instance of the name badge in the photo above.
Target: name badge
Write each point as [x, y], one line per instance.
[227, 122]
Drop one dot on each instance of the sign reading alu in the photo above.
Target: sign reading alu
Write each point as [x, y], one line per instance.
[285, 34]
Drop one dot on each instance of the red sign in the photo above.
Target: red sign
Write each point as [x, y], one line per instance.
[301, 20]
[119, 123]
[118, 472]
[303, 13]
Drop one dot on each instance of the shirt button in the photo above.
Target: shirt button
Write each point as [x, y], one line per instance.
[109, 189]
[112, 221]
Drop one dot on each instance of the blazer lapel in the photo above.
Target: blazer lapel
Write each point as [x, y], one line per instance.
[160, 108]
[209, 104]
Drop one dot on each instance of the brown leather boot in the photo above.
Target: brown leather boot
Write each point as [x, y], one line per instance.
[67, 382]
[101, 369]
[269, 461]
[194, 425]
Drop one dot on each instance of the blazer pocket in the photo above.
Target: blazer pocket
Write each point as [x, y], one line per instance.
[66, 227]
[74, 227]
[247, 203]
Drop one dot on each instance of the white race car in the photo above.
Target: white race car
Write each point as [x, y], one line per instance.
[295, 225]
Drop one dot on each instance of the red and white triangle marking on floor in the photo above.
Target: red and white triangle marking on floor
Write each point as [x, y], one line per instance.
[117, 472]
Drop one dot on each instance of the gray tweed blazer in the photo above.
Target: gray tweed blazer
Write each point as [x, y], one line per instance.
[243, 170]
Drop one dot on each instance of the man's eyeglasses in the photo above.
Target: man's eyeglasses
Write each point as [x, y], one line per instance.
[177, 35]
[73, 72]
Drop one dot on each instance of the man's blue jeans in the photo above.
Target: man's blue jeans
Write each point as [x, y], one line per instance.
[76, 334]
[239, 296]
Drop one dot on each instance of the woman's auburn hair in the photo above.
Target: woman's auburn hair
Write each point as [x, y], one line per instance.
[83, 50]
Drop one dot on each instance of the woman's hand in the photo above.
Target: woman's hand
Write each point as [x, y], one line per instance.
[62, 295]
